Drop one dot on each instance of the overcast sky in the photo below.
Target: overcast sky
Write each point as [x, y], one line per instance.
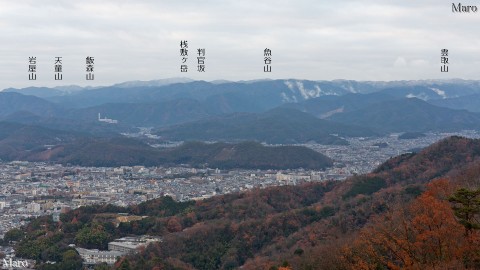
[317, 40]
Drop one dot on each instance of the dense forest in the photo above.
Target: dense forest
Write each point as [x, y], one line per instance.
[415, 211]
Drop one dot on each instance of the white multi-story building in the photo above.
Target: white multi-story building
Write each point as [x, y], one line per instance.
[95, 256]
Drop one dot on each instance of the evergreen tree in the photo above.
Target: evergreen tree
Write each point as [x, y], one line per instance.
[466, 208]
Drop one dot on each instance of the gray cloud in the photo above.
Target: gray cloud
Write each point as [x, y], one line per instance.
[319, 40]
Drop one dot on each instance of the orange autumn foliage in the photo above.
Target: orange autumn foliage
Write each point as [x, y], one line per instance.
[422, 235]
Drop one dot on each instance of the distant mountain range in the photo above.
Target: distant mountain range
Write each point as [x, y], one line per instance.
[469, 103]
[291, 89]
[253, 96]
[14, 102]
[161, 82]
[145, 114]
[327, 106]
[410, 114]
[278, 126]
[86, 127]
[272, 111]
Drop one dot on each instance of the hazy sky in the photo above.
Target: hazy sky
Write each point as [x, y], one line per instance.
[318, 40]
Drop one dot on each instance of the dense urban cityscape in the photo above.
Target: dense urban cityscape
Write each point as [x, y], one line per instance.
[32, 189]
